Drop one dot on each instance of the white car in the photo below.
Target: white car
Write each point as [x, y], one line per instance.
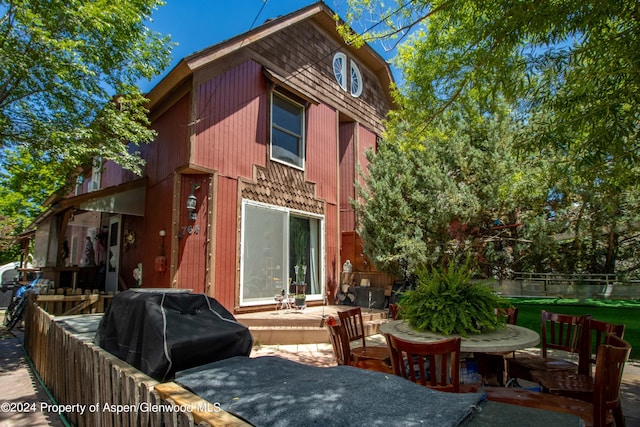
[9, 274]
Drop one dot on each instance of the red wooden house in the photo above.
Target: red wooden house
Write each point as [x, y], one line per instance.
[246, 188]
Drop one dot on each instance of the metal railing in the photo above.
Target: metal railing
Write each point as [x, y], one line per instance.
[581, 278]
[582, 286]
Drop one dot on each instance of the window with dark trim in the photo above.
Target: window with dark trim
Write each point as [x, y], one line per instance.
[287, 131]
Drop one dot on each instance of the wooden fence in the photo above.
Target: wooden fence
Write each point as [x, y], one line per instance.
[112, 392]
[66, 301]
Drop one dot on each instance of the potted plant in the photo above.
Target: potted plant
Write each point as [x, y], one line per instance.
[446, 301]
[300, 300]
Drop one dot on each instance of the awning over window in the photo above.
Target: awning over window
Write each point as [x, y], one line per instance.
[125, 199]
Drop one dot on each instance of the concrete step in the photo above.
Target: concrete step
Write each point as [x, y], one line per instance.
[285, 327]
[286, 335]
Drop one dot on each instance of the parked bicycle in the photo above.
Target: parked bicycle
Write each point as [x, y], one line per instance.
[14, 312]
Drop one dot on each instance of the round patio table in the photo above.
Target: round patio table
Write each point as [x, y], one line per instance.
[507, 339]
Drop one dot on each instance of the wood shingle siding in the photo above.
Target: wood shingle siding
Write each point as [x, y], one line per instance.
[305, 53]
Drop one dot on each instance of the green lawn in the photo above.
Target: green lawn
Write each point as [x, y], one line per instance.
[627, 312]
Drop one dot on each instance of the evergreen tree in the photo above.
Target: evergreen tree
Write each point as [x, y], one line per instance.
[433, 199]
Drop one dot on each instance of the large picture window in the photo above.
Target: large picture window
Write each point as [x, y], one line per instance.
[274, 241]
[287, 131]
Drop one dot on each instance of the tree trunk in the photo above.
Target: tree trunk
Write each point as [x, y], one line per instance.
[612, 250]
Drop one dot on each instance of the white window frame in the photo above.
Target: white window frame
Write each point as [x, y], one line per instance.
[355, 76]
[321, 258]
[340, 69]
[96, 174]
[301, 138]
[353, 79]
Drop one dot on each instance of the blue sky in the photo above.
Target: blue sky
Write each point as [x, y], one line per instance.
[198, 24]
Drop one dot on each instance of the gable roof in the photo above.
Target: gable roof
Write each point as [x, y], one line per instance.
[319, 12]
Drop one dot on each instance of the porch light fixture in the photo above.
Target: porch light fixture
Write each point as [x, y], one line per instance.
[192, 203]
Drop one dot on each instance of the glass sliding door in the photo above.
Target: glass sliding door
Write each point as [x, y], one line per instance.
[263, 253]
[279, 247]
[304, 250]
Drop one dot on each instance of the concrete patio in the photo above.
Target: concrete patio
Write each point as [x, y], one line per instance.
[20, 383]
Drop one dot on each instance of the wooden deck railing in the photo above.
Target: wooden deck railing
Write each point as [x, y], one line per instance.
[113, 393]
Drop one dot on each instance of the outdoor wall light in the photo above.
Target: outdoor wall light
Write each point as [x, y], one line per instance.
[192, 203]
[160, 262]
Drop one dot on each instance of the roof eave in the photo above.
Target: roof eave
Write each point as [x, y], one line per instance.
[319, 12]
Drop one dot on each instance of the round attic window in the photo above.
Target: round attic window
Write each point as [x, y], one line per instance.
[356, 80]
[340, 69]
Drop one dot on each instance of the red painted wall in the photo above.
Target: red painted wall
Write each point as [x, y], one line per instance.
[192, 235]
[171, 147]
[163, 156]
[366, 140]
[322, 169]
[332, 246]
[231, 137]
[157, 217]
[232, 127]
[321, 162]
[112, 174]
[347, 175]
[226, 241]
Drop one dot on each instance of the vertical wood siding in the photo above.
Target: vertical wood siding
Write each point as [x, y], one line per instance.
[332, 251]
[192, 264]
[163, 156]
[347, 175]
[226, 241]
[170, 150]
[232, 114]
[112, 174]
[366, 140]
[320, 166]
[322, 169]
[157, 217]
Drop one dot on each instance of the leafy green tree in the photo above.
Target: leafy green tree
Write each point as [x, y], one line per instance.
[68, 93]
[9, 250]
[25, 183]
[63, 63]
[569, 71]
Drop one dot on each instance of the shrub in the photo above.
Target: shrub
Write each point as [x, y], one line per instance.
[447, 302]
